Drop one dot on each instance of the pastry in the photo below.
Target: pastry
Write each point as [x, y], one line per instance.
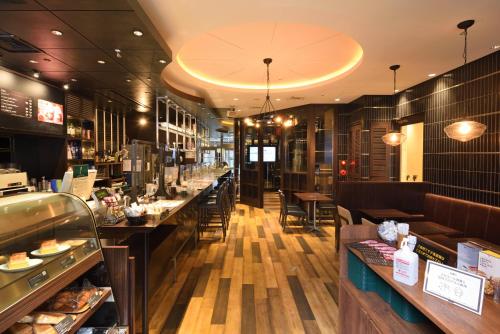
[27, 319]
[49, 318]
[44, 329]
[49, 247]
[21, 329]
[18, 261]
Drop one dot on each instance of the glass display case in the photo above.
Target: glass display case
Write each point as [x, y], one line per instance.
[43, 236]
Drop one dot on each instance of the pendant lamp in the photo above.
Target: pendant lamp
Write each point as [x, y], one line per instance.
[394, 138]
[465, 130]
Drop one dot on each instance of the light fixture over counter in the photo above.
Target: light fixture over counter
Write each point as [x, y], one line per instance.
[394, 138]
[267, 114]
[465, 130]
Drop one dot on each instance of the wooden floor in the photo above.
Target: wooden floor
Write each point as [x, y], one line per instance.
[261, 280]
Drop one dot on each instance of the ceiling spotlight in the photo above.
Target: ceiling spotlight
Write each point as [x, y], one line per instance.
[162, 61]
[66, 86]
[143, 121]
[337, 99]
[33, 61]
[278, 99]
[101, 62]
[396, 91]
[235, 99]
[238, 110]
[128, 80]
[430, 75]
[496, 47]
[56, 32]
[36, 74]
[74, 80]
[110, 101]
[137, 33]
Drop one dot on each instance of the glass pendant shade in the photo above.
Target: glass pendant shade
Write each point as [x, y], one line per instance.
[465, 130]
[394, 138]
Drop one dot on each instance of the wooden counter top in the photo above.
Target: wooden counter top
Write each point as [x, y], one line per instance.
[447, 316]
[123, 228]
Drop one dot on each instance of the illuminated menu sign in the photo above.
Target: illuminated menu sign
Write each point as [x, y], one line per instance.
[15, 103]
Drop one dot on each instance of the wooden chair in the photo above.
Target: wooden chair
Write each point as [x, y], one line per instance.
[365, 221]
[344, 218]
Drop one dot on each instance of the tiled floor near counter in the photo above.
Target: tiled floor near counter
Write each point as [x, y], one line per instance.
[260, 281]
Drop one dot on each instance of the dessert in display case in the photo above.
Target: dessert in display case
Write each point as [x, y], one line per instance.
[52, 273]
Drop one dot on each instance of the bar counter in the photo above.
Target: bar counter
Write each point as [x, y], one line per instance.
[157, 243]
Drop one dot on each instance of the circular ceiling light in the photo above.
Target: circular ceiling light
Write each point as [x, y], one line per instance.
[337, 99]
[101, 62]
[66, 86]
[56, 32]
[430, 75]
[137, 33]
[162, 61]
[320, 54]
[74, 80]
[33, 61]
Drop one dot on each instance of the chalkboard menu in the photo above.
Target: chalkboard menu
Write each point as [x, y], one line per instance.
[15, 103]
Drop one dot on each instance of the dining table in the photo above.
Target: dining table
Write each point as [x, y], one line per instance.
[312, 198]
[379, 215]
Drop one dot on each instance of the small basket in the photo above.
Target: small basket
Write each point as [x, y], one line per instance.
[139, 220]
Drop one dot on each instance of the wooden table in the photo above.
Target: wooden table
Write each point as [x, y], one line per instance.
[312, 198]
[378, 215]
[429, 228]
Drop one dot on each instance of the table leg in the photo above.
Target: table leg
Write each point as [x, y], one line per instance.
[145, 286]
[313, 228]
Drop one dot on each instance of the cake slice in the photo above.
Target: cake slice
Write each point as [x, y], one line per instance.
[49, 247]
[18, 261]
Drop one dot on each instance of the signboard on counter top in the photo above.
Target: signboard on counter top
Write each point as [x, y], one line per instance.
[427, 252]
[455, 286]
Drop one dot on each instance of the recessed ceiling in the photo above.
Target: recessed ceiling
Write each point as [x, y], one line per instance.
[303, 55]
[420, 35]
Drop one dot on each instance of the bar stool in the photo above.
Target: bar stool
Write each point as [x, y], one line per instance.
[213, 213]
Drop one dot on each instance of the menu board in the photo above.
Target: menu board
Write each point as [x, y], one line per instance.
[50, 112]
[15, 103]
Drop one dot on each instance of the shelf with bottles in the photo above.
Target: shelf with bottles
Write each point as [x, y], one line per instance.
[80, 129]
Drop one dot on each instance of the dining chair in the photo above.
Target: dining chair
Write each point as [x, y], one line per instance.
[365, 221]
[286, 211]
[345, 218]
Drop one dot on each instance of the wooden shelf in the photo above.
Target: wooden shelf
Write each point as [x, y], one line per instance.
[84, 316]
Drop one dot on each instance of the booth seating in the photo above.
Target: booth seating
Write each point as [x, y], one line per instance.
[405, 196]
[474, 221]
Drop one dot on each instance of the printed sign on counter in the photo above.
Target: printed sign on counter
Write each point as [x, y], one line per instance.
[455, 286]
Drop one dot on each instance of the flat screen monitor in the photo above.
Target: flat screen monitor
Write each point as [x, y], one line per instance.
[254, 154]
[50, 112]
[269, 153]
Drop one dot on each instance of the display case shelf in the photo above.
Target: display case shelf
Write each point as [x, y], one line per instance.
[59, 232]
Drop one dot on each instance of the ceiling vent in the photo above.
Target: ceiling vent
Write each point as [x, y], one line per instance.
[11, 43]
[297, 97]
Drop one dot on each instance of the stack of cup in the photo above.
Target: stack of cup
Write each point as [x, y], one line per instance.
[403, 230]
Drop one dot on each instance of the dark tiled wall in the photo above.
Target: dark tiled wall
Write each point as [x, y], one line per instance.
[365, 110]
[469, 170]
